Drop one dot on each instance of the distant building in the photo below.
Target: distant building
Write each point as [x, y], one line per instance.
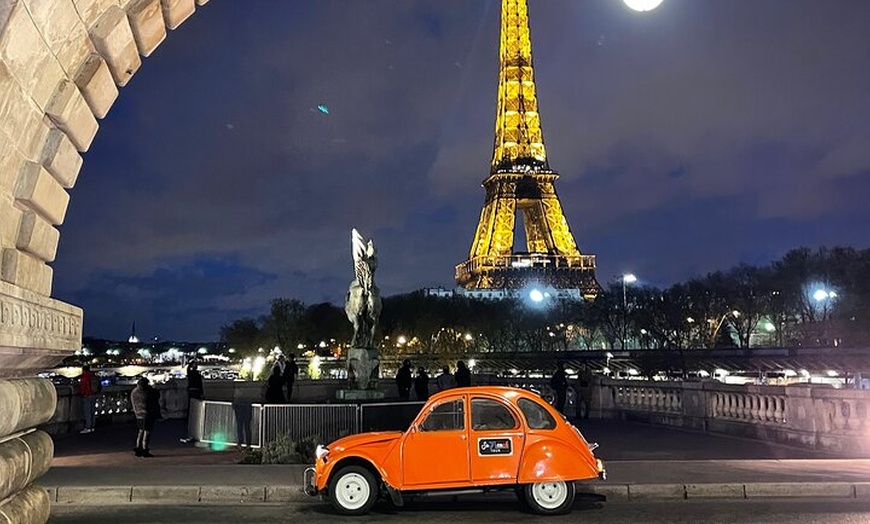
[504, 293]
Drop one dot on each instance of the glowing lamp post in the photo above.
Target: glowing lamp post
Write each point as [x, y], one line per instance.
[626, 279]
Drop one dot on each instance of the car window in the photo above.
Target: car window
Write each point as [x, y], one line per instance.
[448, 416]
[537, 416]
[488, 414]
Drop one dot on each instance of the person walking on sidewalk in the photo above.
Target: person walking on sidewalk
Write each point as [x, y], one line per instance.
[146, 406]
[89, 389]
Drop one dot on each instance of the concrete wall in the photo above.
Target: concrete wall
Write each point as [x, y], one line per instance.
[815, 417]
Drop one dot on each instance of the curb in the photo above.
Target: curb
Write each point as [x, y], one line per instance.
[284, 494]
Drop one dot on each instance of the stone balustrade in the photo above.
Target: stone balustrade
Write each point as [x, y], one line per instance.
[815, 417]
[809, 416]
[113, 404]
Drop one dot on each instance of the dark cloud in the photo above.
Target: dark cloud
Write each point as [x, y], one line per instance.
[688, 139]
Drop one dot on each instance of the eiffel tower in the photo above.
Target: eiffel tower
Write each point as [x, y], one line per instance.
[521, 181]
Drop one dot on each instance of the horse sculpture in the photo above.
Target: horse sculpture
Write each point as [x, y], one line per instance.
[363, 308]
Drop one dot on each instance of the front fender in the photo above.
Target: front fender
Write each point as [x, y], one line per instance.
[356, 457]
[552, 459]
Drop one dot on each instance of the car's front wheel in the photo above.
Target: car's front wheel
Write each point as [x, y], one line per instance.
[549, 498]
[353, 490]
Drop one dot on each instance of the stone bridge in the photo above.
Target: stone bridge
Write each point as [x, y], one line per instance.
[61, 65]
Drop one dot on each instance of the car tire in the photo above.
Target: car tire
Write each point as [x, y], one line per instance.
[549, 498]
[353, 490]
[520, 492]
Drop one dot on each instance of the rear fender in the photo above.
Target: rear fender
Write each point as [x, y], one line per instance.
[551, 459]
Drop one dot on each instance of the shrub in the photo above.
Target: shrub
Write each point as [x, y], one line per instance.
[252, 456]
[306, 448]
[282, 450]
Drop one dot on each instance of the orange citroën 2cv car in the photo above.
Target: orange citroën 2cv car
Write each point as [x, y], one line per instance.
[464, 440]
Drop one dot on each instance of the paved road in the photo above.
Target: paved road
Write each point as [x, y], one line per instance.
[479, 511]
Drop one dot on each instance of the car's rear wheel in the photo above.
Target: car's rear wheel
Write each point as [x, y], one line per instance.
[549, 498]
[353, 490]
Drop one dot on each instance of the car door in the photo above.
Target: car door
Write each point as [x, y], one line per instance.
[496, 442]
[435, 449]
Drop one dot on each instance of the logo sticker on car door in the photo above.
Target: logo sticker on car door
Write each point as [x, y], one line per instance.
[494, 446]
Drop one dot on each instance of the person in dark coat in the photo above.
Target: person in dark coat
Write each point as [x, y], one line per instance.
[421, 384]
[194, 381]
[194, 392]
[404, 380]
[275, 387]
[146, 406]
[445, 380]
[290, 372]
[463, 375]
[559, 383]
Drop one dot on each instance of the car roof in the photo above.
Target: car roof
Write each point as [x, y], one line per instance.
[505, 392]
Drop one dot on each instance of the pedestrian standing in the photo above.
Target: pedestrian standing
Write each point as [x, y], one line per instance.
[290, 372]
[404, 380]
[146, 406]
[463, 375]
[559, 383]
[445, 380]
[89, 389]
[194, 382]
[421, 384]
[194, 392]
[275, 387]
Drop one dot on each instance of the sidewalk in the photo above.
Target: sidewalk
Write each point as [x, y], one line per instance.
[643, 462]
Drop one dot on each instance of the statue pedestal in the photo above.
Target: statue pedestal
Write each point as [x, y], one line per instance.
[359, 394]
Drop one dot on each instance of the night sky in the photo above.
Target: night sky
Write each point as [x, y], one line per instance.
[689, 139]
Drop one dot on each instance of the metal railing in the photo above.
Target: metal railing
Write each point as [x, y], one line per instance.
[221, 424]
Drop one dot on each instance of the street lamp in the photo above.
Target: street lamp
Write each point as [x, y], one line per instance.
[642, 5]
[626, 279]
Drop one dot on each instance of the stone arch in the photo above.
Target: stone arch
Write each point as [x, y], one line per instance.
[61, 64]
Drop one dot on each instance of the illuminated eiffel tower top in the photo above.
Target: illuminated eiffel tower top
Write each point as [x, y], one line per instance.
[519, 141]
[521, 187]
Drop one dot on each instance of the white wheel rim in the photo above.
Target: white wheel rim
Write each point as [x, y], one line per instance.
[352, 491]
[550, 495]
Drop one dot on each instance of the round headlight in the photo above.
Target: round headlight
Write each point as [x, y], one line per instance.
[321, 451]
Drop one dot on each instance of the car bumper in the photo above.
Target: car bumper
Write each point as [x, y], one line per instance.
[602, 471]
[308, 482]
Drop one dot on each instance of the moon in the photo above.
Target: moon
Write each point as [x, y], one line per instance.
[642, 5]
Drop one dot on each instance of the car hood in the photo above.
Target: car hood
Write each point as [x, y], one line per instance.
[365, 439]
